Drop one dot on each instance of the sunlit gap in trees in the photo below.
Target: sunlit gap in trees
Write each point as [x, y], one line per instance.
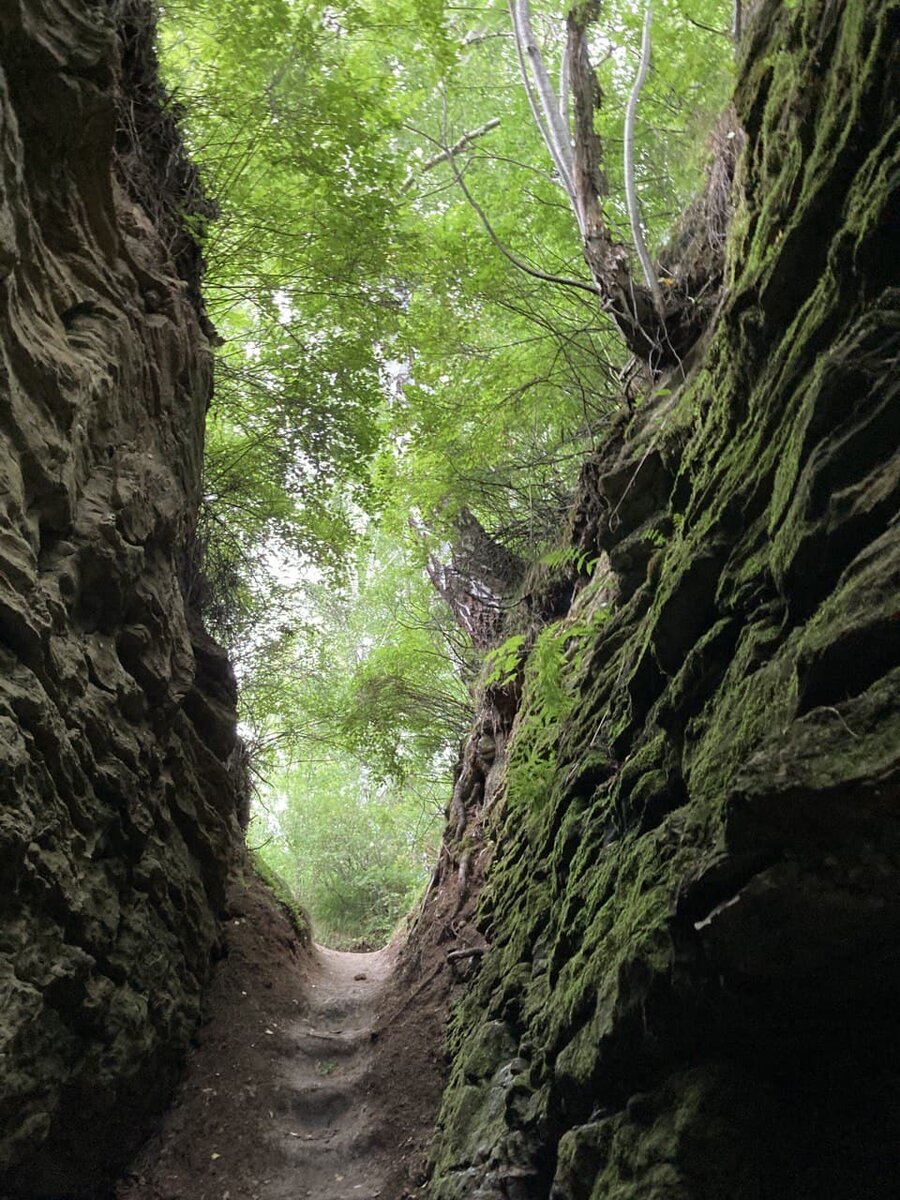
[410, 327]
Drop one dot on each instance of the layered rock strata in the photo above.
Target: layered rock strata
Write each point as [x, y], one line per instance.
[693, 909]
[117, 810]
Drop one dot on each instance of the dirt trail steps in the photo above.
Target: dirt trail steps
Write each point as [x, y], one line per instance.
[306, 1081]
[326, 1094]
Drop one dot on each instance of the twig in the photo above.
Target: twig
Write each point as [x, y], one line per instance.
[456, 148]
[507, 253]
[557, 132]
[707, 28]
[829, 708]
[527, 84]
[476, 39]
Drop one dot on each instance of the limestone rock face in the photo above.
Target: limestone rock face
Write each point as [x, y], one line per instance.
[117, 811]
[693, 909]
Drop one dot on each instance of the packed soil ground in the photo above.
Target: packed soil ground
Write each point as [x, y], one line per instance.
[316, 1073]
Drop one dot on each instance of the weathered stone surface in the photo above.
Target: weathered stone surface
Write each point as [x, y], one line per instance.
[693, 908]
[117, 813]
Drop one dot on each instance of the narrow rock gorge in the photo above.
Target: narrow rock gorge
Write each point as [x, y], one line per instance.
[670, 874]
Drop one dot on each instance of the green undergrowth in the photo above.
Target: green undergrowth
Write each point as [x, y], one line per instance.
[287, 901]
[552, 666]
[356, 854]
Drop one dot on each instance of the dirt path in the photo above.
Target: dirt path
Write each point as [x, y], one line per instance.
[327, 1116]
[314, 1075]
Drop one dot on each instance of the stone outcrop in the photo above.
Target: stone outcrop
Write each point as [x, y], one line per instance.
[693, 908]
[117, 810]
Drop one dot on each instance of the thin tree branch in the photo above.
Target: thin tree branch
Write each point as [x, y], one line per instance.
[476, 39]
[507, 253]
[707, 28]
[527, 85]
[457, 148]
[546, 276]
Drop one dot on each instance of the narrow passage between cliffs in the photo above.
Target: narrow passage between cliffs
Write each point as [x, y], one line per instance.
[314, 1076]
[332, 1143]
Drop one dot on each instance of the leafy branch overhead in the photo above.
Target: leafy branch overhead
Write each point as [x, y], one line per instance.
[423, 279]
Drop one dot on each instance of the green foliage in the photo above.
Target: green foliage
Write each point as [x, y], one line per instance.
[366, 670]
[291, 122]
[355, 853]
[655, 538]
[502, 664]
[545, 704]
[383, 365]
[554, 673]
[285, 896]
[353, 709]
[583, 561]
[549, 680]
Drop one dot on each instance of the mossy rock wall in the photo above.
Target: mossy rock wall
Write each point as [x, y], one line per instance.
[693, 909]
[117, 714]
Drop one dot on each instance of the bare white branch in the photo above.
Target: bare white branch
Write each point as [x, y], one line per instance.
[634, 212]
[564, 89]
[545, 104]
[526, 79]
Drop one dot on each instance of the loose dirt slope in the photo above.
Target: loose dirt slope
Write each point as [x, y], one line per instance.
[312, 1076]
